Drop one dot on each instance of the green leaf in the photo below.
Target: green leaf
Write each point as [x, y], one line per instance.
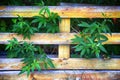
[103, 37]
[45, 65]
[38, 66]
[35, 21]
[21, 72]
[40, 25]
[90, 40]
[97, 55]
[77, 39]
[49, 61]
[48, 11]
[7, 47]
[33, 68]
[82, 52]
[14, 20]
[102, 48]
[28, 72]
[109, 31]
[42, 10]
[84, 24]
[79, 48]
[88, 51]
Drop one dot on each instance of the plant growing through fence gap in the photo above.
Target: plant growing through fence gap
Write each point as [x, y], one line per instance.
[90, 42]
[23, 27]
[34, 57]
[47, 21]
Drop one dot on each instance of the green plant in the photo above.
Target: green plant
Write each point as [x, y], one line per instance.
[47, 21]
[19, 49]
[3, 26]
[34, 58]
[23, 27]
[90, 40]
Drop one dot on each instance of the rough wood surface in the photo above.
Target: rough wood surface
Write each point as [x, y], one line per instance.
[58, 38]
[62, 75]
[39, 38]
[64, 50]
[12, 75]
[63, 11]
[72, 63]
[74, 4]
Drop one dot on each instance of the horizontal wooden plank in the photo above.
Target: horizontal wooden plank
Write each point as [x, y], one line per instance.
[57, 38]
[114, 39]
[74, 4]
[62, 75]
[63, 11]
[39, 38]
[12, 75]
[72, 63]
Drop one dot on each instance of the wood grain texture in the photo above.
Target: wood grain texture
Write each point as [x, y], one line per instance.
[57, 38]
[63, 11]
[72, 63]
[12, 75]
[64, 50]
[62, 75]
[39, 38]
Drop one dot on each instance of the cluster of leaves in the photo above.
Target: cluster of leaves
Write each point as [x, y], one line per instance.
[47, 21]
[23, 27]
[34, 57]
[90, 40]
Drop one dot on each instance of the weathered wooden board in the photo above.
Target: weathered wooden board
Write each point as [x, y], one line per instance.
[74, 4]
[64, 50]
[72, 63]
[57, 38]
[63, 11]
[62, 75]
[12, 75]
[39, 38]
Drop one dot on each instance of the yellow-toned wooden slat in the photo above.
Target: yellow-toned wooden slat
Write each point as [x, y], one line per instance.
[62, 75]
[39, 38]
[71, 63]
[114, 39]
[12, 75]
[57, 38]
[64, 50]
[63, 11]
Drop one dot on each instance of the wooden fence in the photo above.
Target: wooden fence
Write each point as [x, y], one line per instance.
[66, 68]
